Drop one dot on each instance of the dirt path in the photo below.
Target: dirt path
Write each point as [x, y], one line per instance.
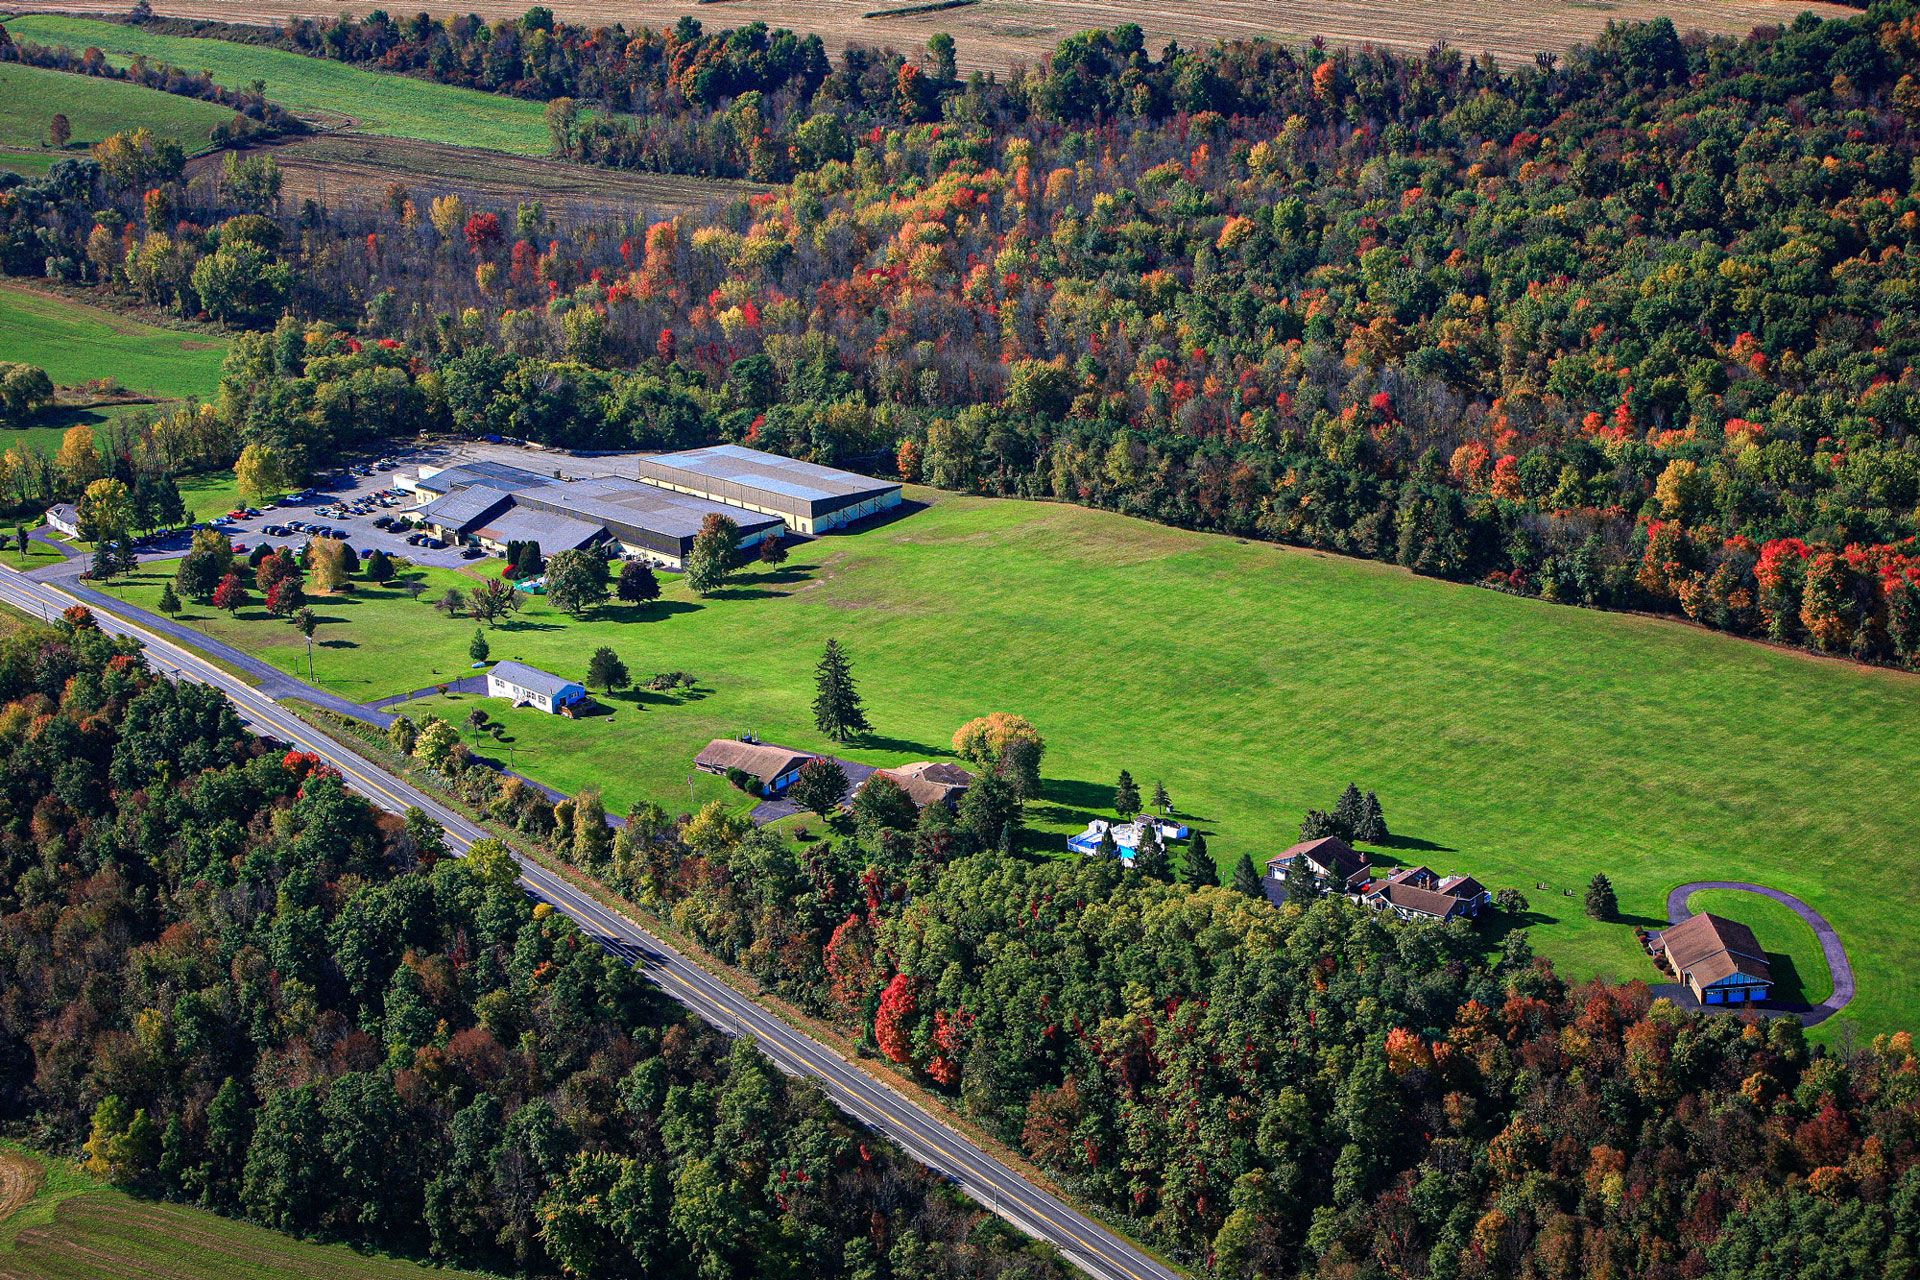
[19, 1179]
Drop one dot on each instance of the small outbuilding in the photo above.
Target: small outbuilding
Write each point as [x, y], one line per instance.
[526, 686]
[64, 518]
[773, 767]
[1719, 960]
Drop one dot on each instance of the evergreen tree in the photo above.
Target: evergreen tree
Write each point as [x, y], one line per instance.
[1302, 886]
[169, 602]
[1126, 796]
[1601, 902]
[1317, 824]
[1198, 871]
[1349, 813]
[1246, 878]
[1109, 849]
[379, 566]
[837, 711]
[1150, 855]
[1372, 828]
[478, 648]
[1162, 802]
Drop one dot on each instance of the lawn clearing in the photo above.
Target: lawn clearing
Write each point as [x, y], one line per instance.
[1800, 973]
[76, 342]
[376, 101]
[95, 107]
[1516, 740]
[67, 1225]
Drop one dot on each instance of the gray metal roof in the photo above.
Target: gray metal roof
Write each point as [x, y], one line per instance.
[619, 501]
[732, 473]
[464, 508]
[554, 532]
[544, 683]
[499, 474]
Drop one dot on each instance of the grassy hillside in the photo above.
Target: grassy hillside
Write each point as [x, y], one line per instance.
[376, 102]
[1520, 741]
[30, 97]
[56, 1224]
[75, 342]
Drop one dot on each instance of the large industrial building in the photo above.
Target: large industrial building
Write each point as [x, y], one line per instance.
[809, 498]
[491, 504]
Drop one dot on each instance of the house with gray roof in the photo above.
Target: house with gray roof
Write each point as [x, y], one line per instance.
[526, 686]
[810, 498]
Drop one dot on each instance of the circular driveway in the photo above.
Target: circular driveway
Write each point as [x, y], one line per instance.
[1830, 945]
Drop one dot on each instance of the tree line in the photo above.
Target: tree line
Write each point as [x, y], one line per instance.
[233, 984]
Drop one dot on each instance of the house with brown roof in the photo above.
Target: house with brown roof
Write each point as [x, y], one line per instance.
[773, 767]
[1337, 866]
[1418, 893]
[928, 782]
[1719, 960]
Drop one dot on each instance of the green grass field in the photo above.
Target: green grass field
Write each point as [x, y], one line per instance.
[72, 1227]
[1800, 971]
[1525, 743]
[378, 102]
[30, 97]
[76, 342]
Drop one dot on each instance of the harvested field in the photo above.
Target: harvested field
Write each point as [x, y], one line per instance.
[995, 33]
[353, 170]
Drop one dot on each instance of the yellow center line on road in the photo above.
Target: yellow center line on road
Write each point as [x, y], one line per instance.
[912, 1125]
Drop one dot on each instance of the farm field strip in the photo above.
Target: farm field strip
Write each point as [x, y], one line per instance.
[352, 169]
[377, 102]
[994, 34]
[1522, 742]
[31, 96]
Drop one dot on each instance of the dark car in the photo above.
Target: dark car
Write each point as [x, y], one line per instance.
[471, 553]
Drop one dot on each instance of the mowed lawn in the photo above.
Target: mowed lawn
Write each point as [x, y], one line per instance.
[1523, 742]
[377, 102]
[71, 1228]
[95, 108]
[1799, 968]
[76, 342]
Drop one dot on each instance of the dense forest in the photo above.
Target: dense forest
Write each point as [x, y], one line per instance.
[1295, 1092]
[229, 982]
[1630, 328]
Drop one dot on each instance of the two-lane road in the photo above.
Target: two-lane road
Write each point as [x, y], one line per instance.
[1091, 1247]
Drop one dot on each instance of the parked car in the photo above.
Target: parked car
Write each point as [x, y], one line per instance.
[471, 553]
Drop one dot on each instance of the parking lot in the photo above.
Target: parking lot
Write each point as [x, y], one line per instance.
[349, 500]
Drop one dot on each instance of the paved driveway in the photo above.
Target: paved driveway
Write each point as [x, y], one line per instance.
[1830, 946]
[781, 807]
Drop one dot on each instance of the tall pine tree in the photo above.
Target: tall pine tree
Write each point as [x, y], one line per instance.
[1247, 879]
[837, 711]
[1198, 871]
[1126, 796]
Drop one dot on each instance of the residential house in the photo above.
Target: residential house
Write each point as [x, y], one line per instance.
[773, 767]
[1337, 866]
[526, 686]
[928, 782]
[1418, 893]
[64, 517]
[1719, 960]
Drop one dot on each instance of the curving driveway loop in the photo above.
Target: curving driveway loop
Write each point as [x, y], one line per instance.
[1830, 945]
